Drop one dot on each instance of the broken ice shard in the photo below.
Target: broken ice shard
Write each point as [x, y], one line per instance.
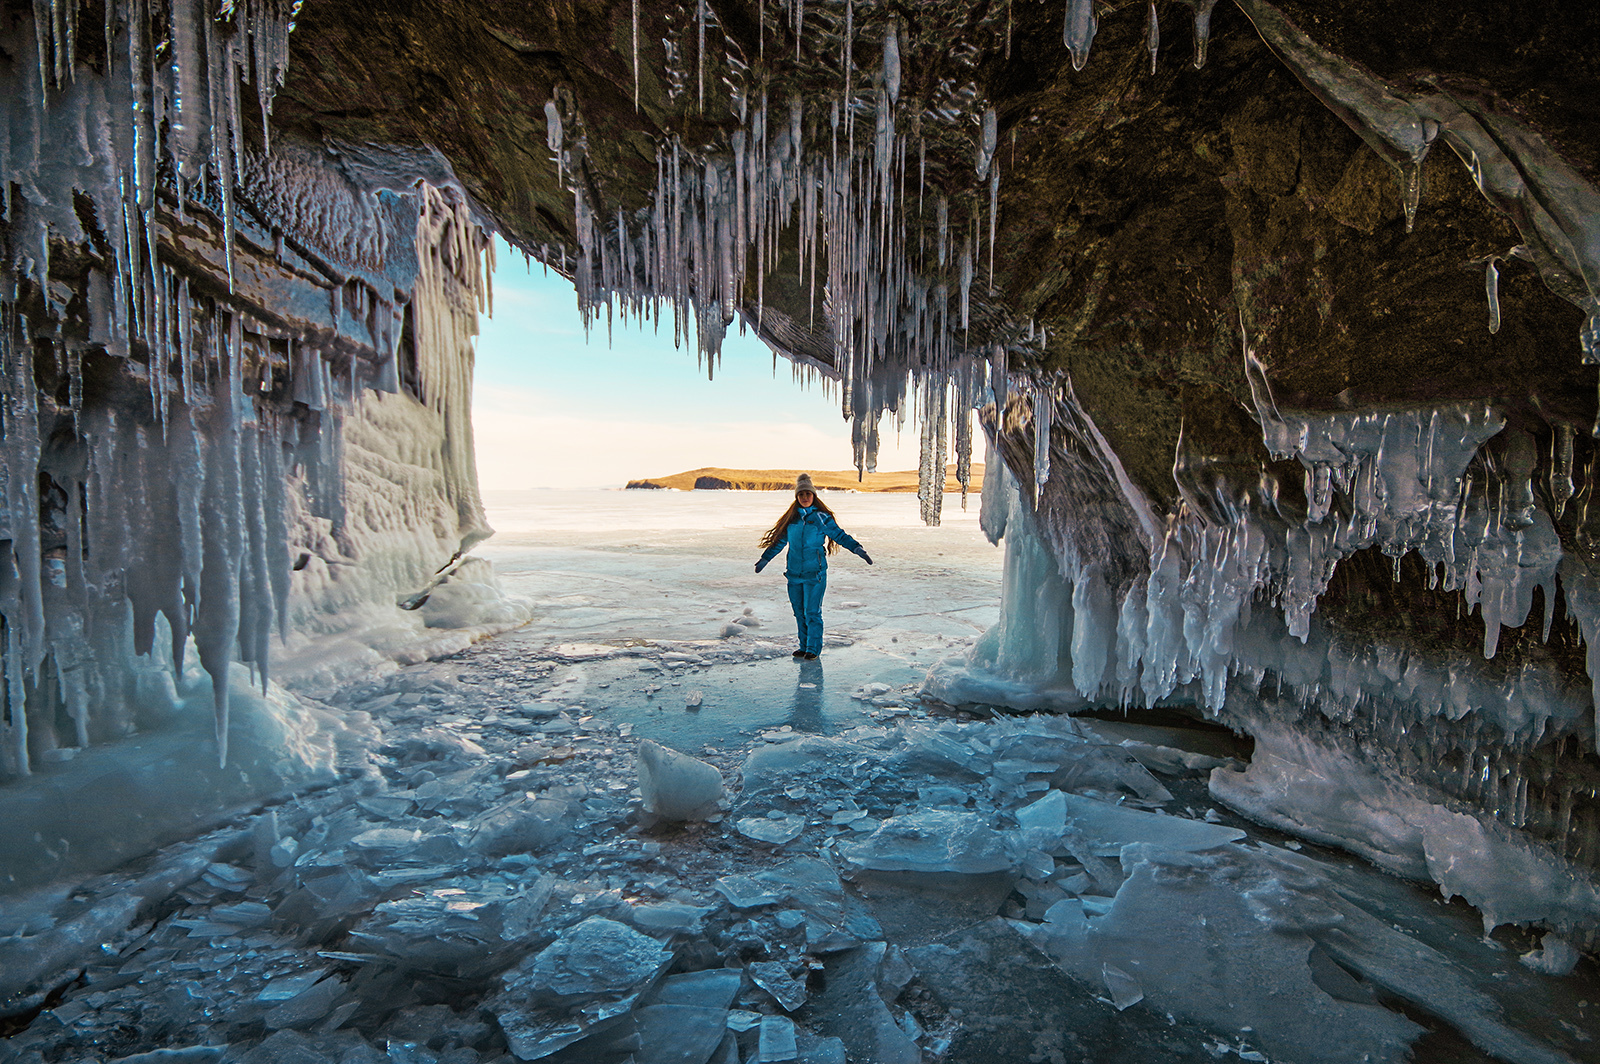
[776, 1042]
[598, 956]
[592, 973]
[1125, 989]
[932, 841]
[1107, 828]
[775, 831]
[743, 892]
[677, 786]
[774, 978]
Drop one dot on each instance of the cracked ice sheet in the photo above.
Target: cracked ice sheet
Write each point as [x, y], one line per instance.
[1261, 942]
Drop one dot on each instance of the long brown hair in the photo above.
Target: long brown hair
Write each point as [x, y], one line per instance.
[776, 533]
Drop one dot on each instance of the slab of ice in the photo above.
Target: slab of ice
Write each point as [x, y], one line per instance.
[387, 839]
[669, 916]
[811, 885]
[1106, 828]
[1182, 928]
[598, 956]
[306, 1007]
[852, 1007]
[1304, 787]
[594, 972]
[677, 786]
[743, 892]
[290, 985]
[775, 831]
[184, 1055]
[933, 840]
[679, 1034]
[776, 1042]
[714, 988]
[774, 978]
[523, 824]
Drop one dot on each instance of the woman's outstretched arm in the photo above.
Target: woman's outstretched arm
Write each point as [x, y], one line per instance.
[843, 538]
[770, 553]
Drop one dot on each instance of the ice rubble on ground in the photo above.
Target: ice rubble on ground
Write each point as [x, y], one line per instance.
[310, 934]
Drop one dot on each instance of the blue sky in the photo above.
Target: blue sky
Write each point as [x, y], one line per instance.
[551, 410]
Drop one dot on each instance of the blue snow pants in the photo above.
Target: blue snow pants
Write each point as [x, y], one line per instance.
[805, 595]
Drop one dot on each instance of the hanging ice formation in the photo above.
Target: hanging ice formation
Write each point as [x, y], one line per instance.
[1078, 34]
[1152, 35]
[244, 296]
[818, 188]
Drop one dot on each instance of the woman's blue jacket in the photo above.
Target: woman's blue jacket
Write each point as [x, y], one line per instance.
[807, 540]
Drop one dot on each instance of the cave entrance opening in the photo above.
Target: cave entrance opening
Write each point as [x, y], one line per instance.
[621, 579]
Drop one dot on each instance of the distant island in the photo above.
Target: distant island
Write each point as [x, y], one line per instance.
[714, 478]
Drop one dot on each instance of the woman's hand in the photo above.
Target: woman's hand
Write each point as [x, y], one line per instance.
[865, 556]
[760, 566]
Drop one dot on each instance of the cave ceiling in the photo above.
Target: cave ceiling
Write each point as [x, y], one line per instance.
[1149, 224]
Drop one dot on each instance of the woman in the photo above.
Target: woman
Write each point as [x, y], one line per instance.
[808, 529]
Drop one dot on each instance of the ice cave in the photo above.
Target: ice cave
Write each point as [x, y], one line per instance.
[1271, 323]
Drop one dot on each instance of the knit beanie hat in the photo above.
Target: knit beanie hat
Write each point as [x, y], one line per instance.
[803, 483]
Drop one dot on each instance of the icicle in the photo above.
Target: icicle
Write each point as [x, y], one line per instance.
[994, 212]
[1410, 191]
[1202, 30]
[700, 55]
[1152, 35]
[636, 55]
[1078, 33]
[942, 214]
[986, 145]
[1561, 474]
[1491, 287]
[1043, 412]
[553, 133]
[965, 268]
[891, 64]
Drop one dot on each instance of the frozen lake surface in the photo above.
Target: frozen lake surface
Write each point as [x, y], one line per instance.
[620, 567]
[662, 564]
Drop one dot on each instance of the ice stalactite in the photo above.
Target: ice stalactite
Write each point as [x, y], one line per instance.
[1202, 28]
[1043, 417]
[1079, 30]
[1152, 35]
[1561, 487]
[1491, 287]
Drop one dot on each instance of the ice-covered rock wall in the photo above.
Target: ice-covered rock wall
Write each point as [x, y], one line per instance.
[1425, 754]
[237, 373]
